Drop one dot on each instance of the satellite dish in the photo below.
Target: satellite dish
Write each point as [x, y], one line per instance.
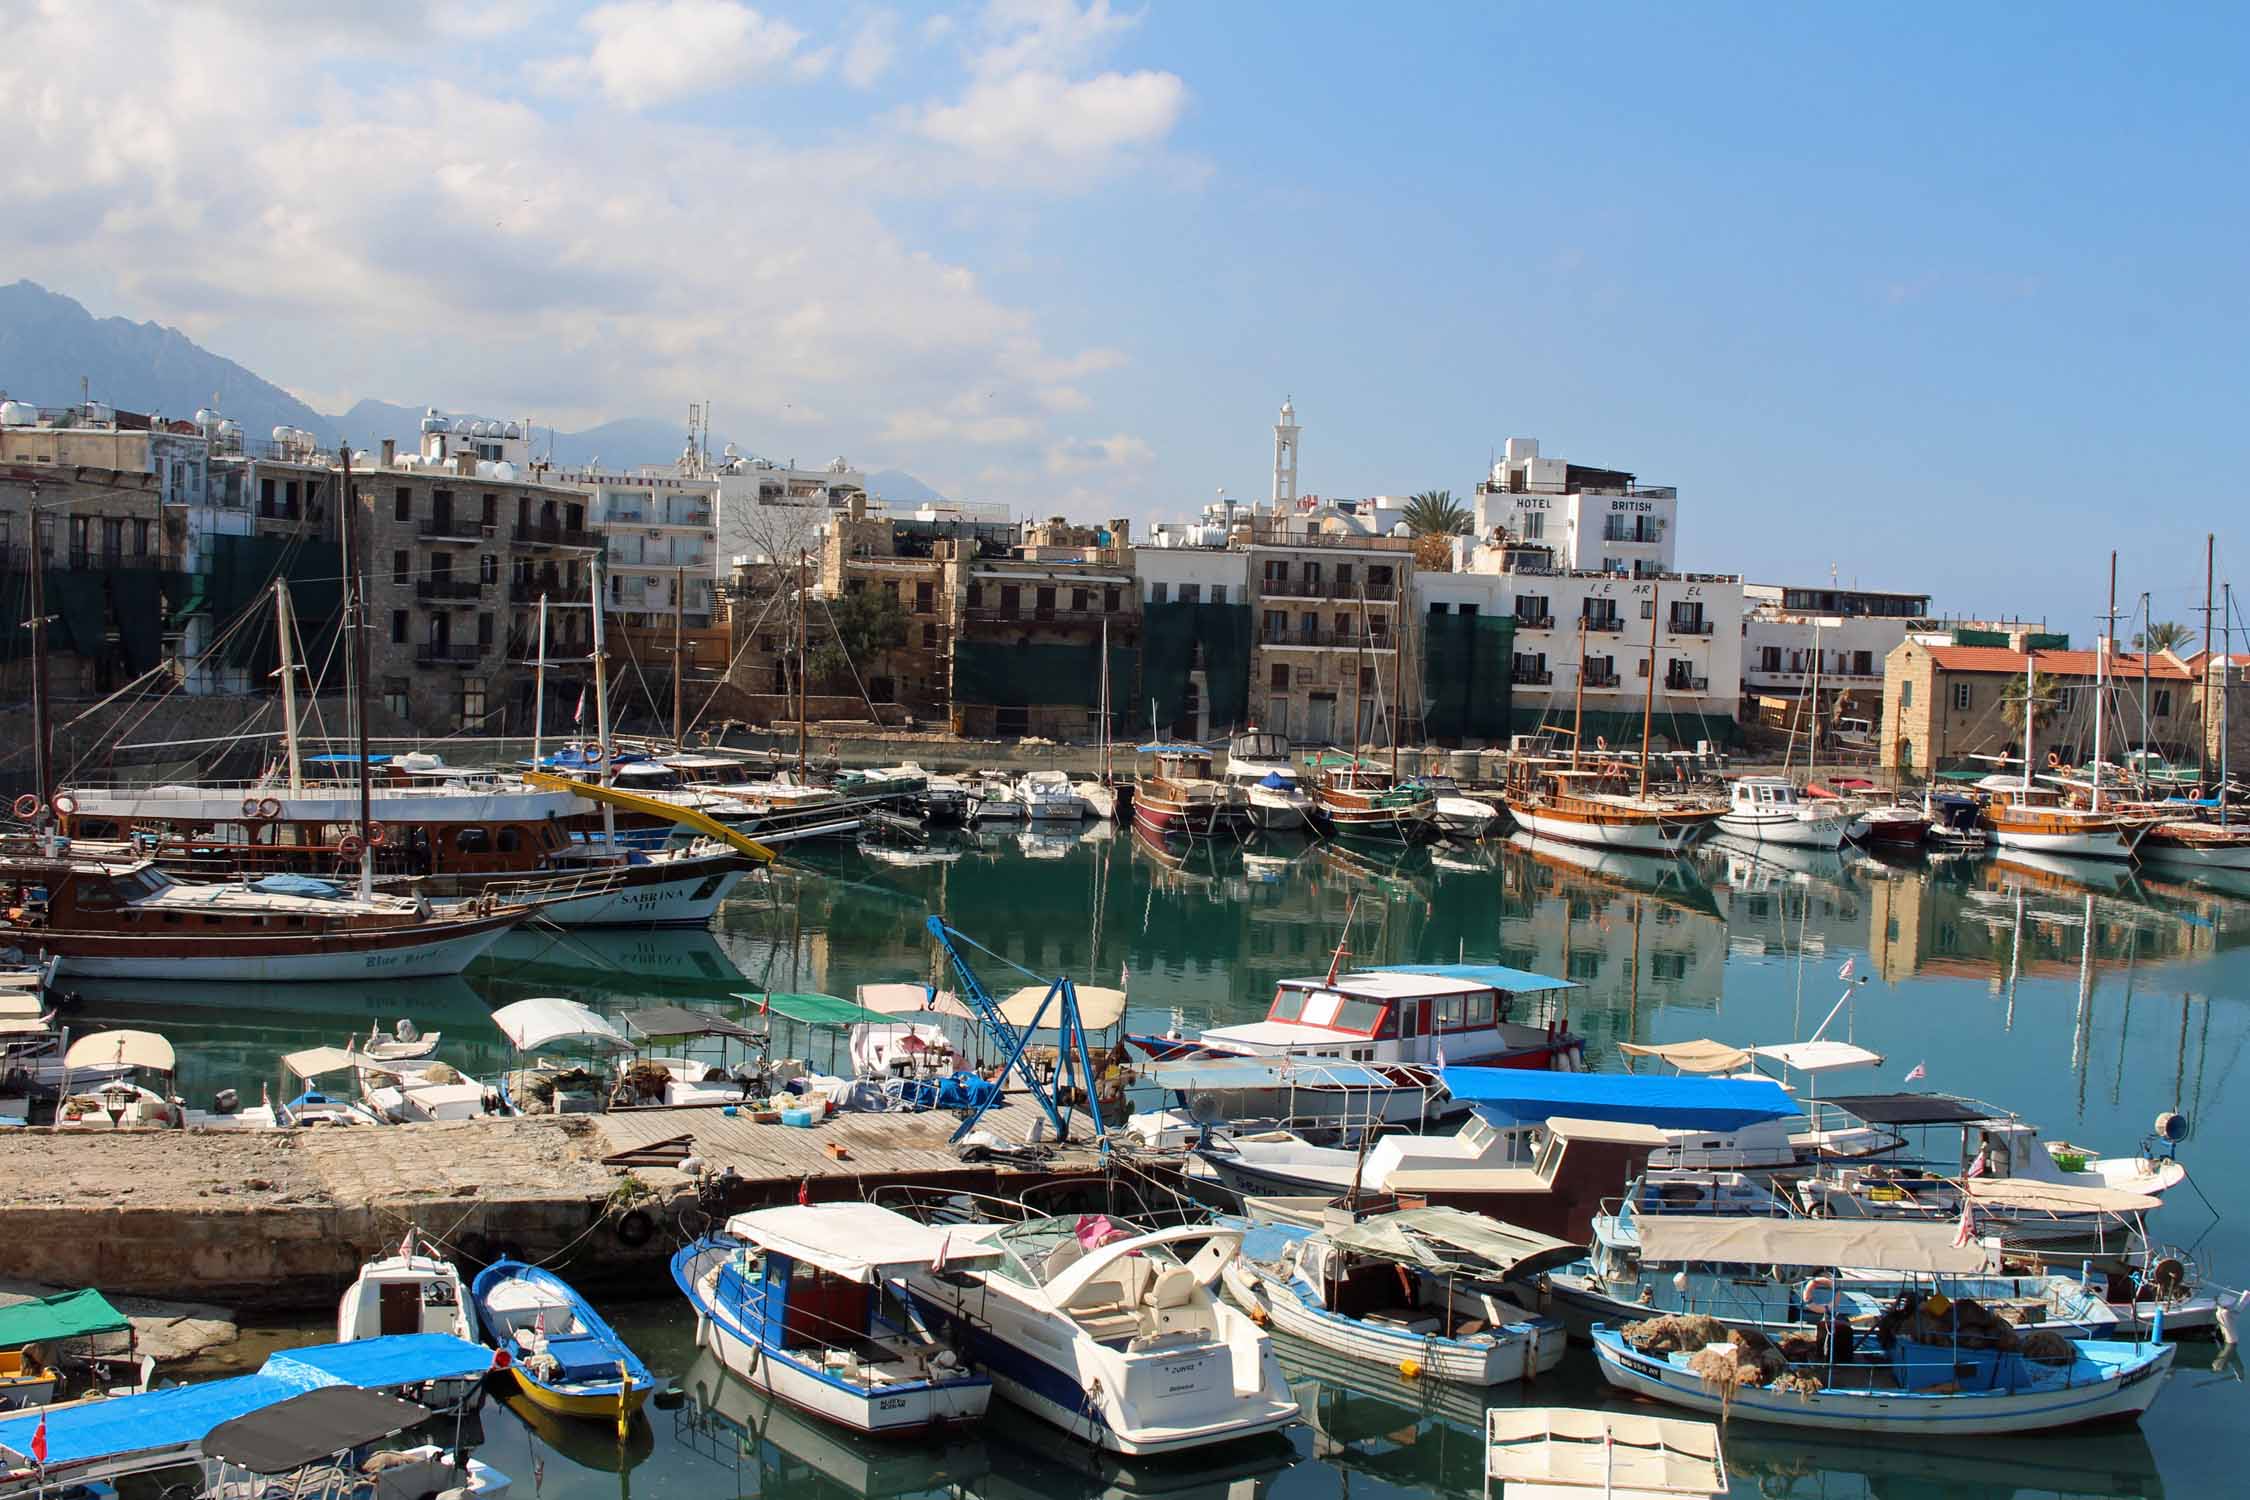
[2172, 1127]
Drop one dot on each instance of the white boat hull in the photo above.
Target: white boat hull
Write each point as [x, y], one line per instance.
[1278, 812]
[1466, 817]
[689, 901]
[1893, 1411]
[2102, 843]
[436, 959]
[879, 1413]
[1803, 833]
[1511, 1353]
[1638, 837]
[2193, 857]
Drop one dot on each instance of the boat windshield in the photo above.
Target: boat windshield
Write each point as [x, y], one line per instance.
[137, 885]
[1038, 1250]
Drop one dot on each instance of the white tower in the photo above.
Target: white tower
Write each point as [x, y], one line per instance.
[1285, 460]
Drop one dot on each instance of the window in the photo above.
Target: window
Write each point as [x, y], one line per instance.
[511, 839]
[1191, 593]
[1343, 626]
[923, 598]
[2066, 700]
[473, 839]
[394, 697]
[1440, 609]
[1011, 598]
[484, 630]
[1081, 600]
[402, 567]
[976, 596]
[1276, 623]
[1277, 570]
[1468, 609]
[1379, 580]
[1109, 601]
[1279, 676]
[472, 702]
[2160, 703]
[402, 502]
[1450, 1010]
[1367, 679]
[1863, 664]
[1906, 695]
[929, 637]
[1159, 593]
[1046, 599]
[1648, 609]
[1769, 659]
[398, 627]
[1533, 525]
[81, 532]
[488, 568]
[1964, 697]
[265, 497]
[140, 538]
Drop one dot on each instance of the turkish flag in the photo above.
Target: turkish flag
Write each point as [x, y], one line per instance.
[39, 1442]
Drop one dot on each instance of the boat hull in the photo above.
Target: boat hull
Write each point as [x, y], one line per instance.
[1802, 833]
[1514, 1353]
[612, 1406]
[399, 953]
[2120, 1397]
[1637, 835]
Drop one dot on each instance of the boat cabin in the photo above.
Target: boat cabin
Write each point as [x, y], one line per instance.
[1762, 794]
[1474, 1016]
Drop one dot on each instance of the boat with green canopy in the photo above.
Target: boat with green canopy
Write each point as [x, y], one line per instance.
[71, 1341]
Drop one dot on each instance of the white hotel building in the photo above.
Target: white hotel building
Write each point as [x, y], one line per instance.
[1559, 545]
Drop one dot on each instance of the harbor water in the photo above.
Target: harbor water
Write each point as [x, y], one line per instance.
[2086, 999]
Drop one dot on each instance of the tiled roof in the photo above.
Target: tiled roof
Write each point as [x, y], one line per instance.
[2055, 663]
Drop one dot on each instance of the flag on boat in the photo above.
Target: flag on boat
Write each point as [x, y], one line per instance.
[578, 714]
[1921, 1070]
[804, 1192]
[1846, 971]
[1967, 1233]
[39, 1442]
[944, 1254]
[406, 1244]
[1441, 1056]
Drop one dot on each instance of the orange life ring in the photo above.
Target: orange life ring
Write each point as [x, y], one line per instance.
[349, 846]
[27, 806]
[269, 807]
[65, 804]
[377, 835]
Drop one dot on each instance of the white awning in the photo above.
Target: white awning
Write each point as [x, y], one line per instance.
[2048, 1197]
[1098, 1008]
[911, 999]
[18, 1003]
[1604, 1452]
[1704, 1056]
[1875, 1245]
[314, 1061]
[858, 1241]
[1820, 1057]
[121, 1049]
[550, 1020]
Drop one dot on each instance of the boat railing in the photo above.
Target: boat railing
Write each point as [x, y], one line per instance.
[549, 890]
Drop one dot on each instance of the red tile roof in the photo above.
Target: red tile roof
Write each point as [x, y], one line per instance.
[2054, 663]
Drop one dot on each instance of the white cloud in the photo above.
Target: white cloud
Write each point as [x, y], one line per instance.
[874, 47]
[938, 27]
[1024, 100]
[648, 53]
[1047, 35]
[1077, 455]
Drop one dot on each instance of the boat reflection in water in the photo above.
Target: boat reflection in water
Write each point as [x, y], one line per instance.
[671, 959]
[589, 1445]
[776, 1452]
[2080, 1465]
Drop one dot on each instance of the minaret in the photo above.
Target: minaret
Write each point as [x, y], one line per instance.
[1285, 460]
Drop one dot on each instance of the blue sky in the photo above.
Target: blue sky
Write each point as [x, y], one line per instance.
[1951, 301]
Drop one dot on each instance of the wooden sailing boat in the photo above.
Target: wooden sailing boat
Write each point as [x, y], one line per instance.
[1353, 797]
[1591, 805]
[1100, 797]
[2027, 816]
[2200, 843]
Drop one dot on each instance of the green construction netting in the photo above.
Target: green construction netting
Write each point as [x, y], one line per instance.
[1621, 729]
[815, 1010]
[1468, 664]
[1980, 638]
[86, 606]
[1170, 634]
[2045, 641]
[240, 578]
[1008, 675]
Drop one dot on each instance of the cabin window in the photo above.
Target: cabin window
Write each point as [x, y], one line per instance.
[173, 916]
[212, 919]
[1321, 1007]
[1450, 1009]
[1288, 1005]
[1358, 1015]
[296, 921]
[511, 840]
[1389, 1024]
[473, 839]
[1480, 1010]
[97, 897]
[1410, 1018]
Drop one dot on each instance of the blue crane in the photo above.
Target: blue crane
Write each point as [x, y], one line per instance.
[1072, 1055]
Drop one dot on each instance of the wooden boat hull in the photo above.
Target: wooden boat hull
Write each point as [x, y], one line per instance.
[2192, 854]
[1171, 818]
[1639, 835]
[416, 952]
[1516, 1352]
[2123, 1395]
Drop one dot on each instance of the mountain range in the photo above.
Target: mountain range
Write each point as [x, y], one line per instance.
[53, 352]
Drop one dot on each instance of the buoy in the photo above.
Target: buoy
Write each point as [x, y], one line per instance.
[1820, 1293]
[27, 806]
[66, 804]
[1410, 1368]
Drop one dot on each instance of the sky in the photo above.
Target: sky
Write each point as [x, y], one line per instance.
[1947, 300]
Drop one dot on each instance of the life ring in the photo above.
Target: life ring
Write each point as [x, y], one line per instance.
[27, 806]
[2054, 760]
[635, 1229]
[377, 834]
[65, 804]
[349, 846]
[249, 807]
[269, 807]
[1819, 1294]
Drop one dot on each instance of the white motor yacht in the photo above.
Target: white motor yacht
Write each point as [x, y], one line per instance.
[1769, 810]
[1049, 797]
[1102, 1330]
[994, 799]
[1263, 785]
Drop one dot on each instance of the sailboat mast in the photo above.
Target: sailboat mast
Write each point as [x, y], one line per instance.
[1578, 702]
[282, 630]
[2226, 666]
[802, 660]
[1105, 700]
[2101, 677]
[539, 686]
[2203, 751]
[1359, 680]
[1398, 664]
[603, 748]
[2027, 711]
[679, 659]
[355, 572]
[43, 731]
[1812, 733]
[1648, 704]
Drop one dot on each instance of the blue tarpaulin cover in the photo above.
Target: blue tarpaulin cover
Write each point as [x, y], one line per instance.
[155, 1421]
[1500, 977]
[299, 885]
[1518, 1096]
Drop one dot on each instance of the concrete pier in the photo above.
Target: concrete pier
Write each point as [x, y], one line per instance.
[282, 1220]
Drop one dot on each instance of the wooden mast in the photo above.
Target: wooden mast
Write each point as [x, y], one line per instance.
[1648, 706]
[355, 573]
[679, 660]
[1578, 703]
[802, 662]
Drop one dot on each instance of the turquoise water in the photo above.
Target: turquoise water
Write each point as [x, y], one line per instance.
[2087, 1000]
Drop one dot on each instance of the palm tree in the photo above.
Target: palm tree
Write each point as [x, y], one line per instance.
[2044, 698]
[1437, 513]
[2163, 635]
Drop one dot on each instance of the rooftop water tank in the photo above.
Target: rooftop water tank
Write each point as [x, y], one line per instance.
[282, 435]
[514, 431]
[433, 422]
[462, 424]
[229, 428]
[206, 418]
[18, 414]
[98, 414]
[503, 471]
[485, 467]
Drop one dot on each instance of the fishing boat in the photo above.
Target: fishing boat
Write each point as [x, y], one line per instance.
[1263, 787]
[123, 918]
[994, 799]
[1047, 796]
[1179, 796]
[1768, 810]
[1418, 1290]
[1355, 799]
[321, 1445]
[807, 1305]
[1307, 1093]
[563, 1357]
[1097, 1326]
[1956, 822]
[407, 1093]
[2188, 845]
[945, 799]
[1906, 1387]
[1427, 1015]
[411, 1290]
[1560, 1452]
[70, 1343]
[1459, 815]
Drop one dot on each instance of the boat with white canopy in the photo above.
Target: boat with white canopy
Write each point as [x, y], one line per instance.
[548, 1084]
[1562, 1453]
[807, 1304]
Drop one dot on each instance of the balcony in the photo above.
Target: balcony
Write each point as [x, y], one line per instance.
[1053, 614]
[1602, 624]
[1525, 677]
[699, 520]
[1535, 622]
[448, 529]
[1332, 640]
[1688, 627]
[556, 535]
[1601, 679]
[1348, 590]
[449, 588]
[1686, 684]
[434, 654]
